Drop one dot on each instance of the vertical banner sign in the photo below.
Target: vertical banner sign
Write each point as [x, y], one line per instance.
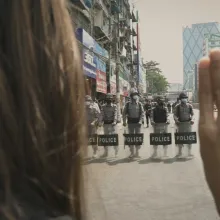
[186, 138]
[108, 140]
[133, 139]
[89, 64]
[92, 139]
[101, 85]
[160, 139]
[113, 84]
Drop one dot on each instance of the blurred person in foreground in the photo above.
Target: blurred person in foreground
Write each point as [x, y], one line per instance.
[209, 126]
[42, 117]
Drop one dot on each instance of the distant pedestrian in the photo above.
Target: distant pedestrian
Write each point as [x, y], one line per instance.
[148, 109]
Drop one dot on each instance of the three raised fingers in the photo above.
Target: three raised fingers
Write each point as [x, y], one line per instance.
[209, 86]
[215, 75]
[205, 92]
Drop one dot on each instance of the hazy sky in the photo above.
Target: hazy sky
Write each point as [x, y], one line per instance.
[161, 23]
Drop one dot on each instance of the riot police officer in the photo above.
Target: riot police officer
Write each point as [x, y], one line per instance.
[159, 120]
[133, 114]
[183, 116]
[109, 119]
[93, 116]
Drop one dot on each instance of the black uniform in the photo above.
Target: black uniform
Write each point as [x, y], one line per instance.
[147, 108]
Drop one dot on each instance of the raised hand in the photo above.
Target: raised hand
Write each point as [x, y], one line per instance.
[209, 126]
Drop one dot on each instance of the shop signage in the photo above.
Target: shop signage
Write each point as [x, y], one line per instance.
[89, 63]
[160, 139]
[90, 43]
[101, 51]
[186, 138]
[133, 139]
[101, 85]
[108, 140]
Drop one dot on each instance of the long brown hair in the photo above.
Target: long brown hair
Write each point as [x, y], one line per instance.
[42, 129]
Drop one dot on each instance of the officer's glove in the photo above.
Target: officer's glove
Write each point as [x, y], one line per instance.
[114, 123]
[93, 123]
[124, 124]
[177, 122]
[191, 122]
[100, 124]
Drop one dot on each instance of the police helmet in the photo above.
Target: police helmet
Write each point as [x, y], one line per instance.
[88, 98]
[183, 95]
[160, 100]
[133, 92]
[109, 96]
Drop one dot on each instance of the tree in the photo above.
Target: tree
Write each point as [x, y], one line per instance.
[158, 83]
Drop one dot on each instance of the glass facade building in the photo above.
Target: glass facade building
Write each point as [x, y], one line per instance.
[193, 47]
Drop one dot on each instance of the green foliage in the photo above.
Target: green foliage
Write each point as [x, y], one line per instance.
[158, 83]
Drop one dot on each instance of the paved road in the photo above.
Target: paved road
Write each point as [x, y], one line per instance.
[120, 189]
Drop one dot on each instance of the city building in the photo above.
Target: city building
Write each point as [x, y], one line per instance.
[175, 87]
[107, 34]
[194, 38]
[210, 41]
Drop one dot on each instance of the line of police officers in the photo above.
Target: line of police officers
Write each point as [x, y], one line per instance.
[133, 115]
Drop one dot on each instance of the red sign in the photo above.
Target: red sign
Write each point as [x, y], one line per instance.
[125, 91]
[101, 85]
[113, 88]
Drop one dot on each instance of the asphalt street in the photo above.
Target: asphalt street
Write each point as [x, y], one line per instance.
[124, 189]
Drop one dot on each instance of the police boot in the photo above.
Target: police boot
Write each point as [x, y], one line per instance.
[165, 151]
[137, 152]
[105, 152]
[94, 152]
[190, 151]
[132, 151]
[116, 151]
[180, 149]
[154, 155]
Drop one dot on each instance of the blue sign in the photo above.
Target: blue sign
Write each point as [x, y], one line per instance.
[99, 50]
[90, 43]
[89, 64]
[101, 65]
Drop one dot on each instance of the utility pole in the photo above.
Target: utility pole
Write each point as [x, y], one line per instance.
[117, 59]
[110, 51]
[138, 70]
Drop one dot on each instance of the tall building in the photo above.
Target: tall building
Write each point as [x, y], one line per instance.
[210, 41]
[193, 49]
[107, 37]
[175, 87]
